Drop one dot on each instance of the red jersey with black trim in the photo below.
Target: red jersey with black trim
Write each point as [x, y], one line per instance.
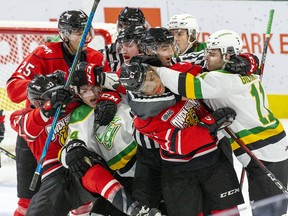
[34, 128]
[46, 59]
[175, 128]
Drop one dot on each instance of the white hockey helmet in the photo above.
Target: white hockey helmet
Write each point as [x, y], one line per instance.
[184, 21]
[229, 42]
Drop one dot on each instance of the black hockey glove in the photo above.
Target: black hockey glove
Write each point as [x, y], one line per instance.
[87, 73]
[77, 157]
[58, 95]
[2, 126]
[105, 112]
[243, 64]
[218, 119]
[153, 61]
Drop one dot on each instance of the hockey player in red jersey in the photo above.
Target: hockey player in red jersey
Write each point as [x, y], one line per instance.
[63, 190]
[45, 59]
[186, 154]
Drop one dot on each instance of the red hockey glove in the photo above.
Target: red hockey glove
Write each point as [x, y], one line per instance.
[58, 95]
[2, 126]
[243, 64]
[219, 119]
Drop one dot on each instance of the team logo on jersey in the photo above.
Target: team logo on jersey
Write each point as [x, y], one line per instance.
[187, 116]
[46, 49]
[107, 137]
[60, 131]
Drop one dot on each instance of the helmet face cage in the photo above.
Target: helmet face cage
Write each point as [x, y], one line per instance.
[130, 16]
[184, 21]
[71, 21]
[229, 42]
[154, 38]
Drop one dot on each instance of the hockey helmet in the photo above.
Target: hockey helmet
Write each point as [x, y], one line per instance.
[129, 16]
[184, 21]
[133, 75]
[229, 42]
[154, 37]
[133, 32]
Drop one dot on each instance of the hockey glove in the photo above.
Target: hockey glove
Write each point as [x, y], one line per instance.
[243, 64]
[76, 157]
[218, 119]
[153, 61]
[2, 126]
[58, 95]
[105, 112]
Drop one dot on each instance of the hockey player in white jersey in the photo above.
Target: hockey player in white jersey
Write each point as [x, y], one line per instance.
[112, 140]
[255, 124]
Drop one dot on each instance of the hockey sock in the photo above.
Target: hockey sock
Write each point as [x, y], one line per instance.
[22, 207]
[83, 210]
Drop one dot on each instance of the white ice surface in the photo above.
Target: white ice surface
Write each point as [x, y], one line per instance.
[8, 193]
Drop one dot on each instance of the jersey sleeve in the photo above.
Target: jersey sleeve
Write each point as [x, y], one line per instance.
[206, 85]
[28, 123]
[175, 140]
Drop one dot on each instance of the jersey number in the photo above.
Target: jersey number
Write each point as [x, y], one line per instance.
[26, 68]
[259, 95]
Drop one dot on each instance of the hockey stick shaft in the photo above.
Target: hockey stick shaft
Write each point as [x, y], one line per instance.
[7, 153]
[57, 113]
[260, 164]
[266, 43]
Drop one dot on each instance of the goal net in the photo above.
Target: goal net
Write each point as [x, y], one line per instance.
[17, 40]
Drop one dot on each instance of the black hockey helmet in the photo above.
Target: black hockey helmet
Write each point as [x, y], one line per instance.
[154, 37]
[72, 20]
[133, 75]
[41, 84]
[132, 32]
[129, 16]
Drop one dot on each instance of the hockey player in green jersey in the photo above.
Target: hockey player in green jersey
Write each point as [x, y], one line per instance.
[108, 133]
[255, 124]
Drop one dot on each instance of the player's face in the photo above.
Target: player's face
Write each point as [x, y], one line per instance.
[181, 38]
[90, 94]
[165, 53]
[152, 84]
[214, 60]
[129, 49]
[75, 38]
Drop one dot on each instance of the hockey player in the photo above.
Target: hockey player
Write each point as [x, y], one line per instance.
[2, 126]
[45, 59]
[112, 141]
[255, 124]
[60, 191]
[189, 152]
[185, 30]
[127, 17]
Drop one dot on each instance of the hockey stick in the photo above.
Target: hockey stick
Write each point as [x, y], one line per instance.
[261, 165]
[267, 39]
[71, 72]
[261, 66]
[7, 153]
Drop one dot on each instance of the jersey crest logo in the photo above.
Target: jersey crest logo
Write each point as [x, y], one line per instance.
[186, 117]
[107, 137]
[167, 115]
[60, 131]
